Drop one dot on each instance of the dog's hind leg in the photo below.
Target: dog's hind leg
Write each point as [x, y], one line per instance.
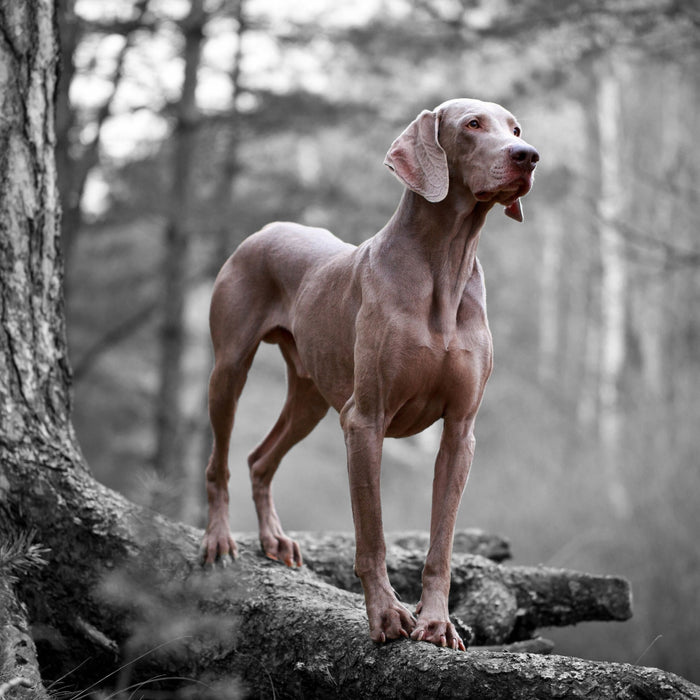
[302, 411]
[225, 386]
[237, 327]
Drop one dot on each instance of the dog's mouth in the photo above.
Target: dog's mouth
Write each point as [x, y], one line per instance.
[508, 192]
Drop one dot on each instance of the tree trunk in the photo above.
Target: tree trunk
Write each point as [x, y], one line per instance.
[613, 284]
[225, 238]
[169, 419]
[548, 326]
[122, 600]
[34, 372]
[587, 301]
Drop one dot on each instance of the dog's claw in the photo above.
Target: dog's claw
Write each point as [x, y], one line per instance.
[448, 638]
[282, 549]
[218, 546]
[388, 619]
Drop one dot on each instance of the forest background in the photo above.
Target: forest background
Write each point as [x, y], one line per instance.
[185, 126]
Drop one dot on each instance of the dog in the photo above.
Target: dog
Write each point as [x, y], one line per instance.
[392, 333]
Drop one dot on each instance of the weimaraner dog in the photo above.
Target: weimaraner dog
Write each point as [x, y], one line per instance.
[392, 333]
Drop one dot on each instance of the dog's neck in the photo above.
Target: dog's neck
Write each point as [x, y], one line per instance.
[440, 236]
[432, 247]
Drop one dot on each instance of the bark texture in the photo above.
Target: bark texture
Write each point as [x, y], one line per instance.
[19, 670]
[34, 391]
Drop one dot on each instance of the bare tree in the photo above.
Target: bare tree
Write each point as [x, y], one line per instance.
[167, 459]
[196, 453]
[613, 280]
[549, 311]
[75, 160]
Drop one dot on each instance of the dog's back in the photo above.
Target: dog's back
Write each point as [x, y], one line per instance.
[286, 252]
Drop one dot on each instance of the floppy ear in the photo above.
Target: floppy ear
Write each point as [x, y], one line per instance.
[515, 211]
[418, 160]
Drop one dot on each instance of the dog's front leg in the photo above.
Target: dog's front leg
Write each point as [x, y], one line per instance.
[451, 472]
[388, 618]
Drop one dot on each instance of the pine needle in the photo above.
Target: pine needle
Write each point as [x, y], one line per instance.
[20, 554]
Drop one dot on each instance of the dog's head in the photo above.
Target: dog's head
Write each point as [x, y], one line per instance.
[469, 144]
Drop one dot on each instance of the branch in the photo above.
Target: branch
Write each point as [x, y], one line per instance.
[675, 256]
[120, 27]
[112, 337]
[126, 327]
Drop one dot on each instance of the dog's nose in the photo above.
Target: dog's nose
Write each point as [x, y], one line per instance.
[524, 155]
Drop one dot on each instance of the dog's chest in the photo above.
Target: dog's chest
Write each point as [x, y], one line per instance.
[434, 374]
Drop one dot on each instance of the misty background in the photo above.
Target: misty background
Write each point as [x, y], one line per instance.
[184, 126]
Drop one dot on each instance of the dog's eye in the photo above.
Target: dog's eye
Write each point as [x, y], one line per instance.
[473, 124]
[516, 131]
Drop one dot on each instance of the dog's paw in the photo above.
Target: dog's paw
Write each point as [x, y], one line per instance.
[391, 622]
[217, 546]
[281, 548]
[442, 633]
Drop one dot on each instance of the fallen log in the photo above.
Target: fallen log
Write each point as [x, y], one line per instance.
[297, 636]
[123, 578]
[501, 604]
[465, 541]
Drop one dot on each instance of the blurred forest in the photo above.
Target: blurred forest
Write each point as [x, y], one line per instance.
[185, 125]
